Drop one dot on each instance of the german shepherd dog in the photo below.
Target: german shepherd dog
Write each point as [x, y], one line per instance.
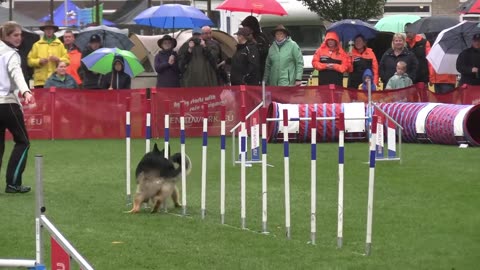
[156, 178]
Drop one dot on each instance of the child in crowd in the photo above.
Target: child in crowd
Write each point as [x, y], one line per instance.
[367, 77]
[400, 79]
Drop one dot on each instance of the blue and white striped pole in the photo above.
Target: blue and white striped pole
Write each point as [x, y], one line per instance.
[167, 129]
[341, 162]
[204, 160]
[222, 162]
[183, 158]
[371, 183]
[263, 120]
[243, 153]
[128, 135]
[313, 178]
[286, 164]
[148, 117]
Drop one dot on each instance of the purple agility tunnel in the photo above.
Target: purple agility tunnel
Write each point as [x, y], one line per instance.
[422, 122]
[436, 123]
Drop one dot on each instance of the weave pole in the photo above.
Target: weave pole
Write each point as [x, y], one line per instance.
[243, 176]
[128, 134]
[341, 163]
[204, 159]
[371, 183]
[183, 159]
[286, 164]
[148, 117]
[263, 119]
[166, 134]
[222, 162]
[313, 178]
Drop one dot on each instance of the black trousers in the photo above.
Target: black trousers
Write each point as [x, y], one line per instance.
[11, 118]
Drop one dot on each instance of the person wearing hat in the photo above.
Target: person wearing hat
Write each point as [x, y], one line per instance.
[197, 62]
[46, 53]
[284, 63]
[468, 63]
[90, 79]
[168, 74]
[245, 63]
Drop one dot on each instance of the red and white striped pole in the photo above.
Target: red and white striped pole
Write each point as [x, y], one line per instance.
[286, 164]
[204, 160]
[222, 162]
[313, 178]
[341, 163]
[371, 184]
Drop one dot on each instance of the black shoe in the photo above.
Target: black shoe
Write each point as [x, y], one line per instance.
[17, 189]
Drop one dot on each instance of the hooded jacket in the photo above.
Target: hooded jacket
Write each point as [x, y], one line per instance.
[116, 79]
[388, 64]
[368, 73]
[67, 82]
[324, 56]
[399, 81]
[245, 65]
[262, 41]
[360, 62]
[45, 49]
[284, 64]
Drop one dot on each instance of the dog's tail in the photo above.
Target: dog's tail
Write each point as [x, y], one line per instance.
[177, 159]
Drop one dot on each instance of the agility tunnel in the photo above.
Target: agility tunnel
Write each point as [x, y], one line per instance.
[436, 123]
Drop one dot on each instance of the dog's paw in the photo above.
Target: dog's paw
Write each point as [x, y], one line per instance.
[133, 211]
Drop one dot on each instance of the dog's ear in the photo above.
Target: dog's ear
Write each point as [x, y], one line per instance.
[155, 148]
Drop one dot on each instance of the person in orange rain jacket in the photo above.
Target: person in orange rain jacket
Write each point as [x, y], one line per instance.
[442, 83]
[361, 59]
[75, 56]
[331, 61]
[420, 47]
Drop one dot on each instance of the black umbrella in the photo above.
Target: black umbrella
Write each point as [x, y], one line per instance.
[28, 39]
[380, 44]
[434, 24]
[111, 37]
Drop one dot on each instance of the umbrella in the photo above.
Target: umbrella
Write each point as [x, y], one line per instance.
[470, 7]
[449, 44]
[254, 6]
[434, 24]
[111, 37]
[173, 16]
[348, 29]
[395, 23]
[101, 61]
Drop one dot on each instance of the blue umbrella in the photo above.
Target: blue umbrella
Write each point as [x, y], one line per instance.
[173, 16]
[348, 29]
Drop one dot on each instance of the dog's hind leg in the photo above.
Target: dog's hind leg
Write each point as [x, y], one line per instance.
[176, 197]
[158, 202]
[136, 204]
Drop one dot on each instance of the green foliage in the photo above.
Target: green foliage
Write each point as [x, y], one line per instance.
[336, 10]
[425, 210]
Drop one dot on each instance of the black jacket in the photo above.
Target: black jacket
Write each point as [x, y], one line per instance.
[419, 51]
[467, 60]
[116, 79]
[388, 64]
[90, 80]
[167, 75]
[245, 65]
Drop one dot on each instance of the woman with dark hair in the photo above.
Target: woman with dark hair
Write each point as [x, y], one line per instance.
[11, 114]
[262, 41]
[361, 59]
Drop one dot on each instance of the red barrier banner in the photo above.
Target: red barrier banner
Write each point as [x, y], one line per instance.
[100, 114]
[60, 258]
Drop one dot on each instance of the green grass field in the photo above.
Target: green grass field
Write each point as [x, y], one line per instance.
[426, 210]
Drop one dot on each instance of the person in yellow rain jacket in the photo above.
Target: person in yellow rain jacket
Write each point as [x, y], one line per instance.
[46, 54]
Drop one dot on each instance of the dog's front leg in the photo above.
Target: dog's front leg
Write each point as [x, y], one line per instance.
[176, 197]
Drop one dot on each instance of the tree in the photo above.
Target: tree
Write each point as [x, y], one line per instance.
[336, 10]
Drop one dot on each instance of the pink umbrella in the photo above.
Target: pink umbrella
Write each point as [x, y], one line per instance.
[254, 6]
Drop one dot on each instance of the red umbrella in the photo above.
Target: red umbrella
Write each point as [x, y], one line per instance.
[470, 7]
[254, 6]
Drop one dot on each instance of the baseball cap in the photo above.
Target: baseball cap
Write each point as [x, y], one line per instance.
[244, 31]
[476, 37]
[95, 38]
[197, 31]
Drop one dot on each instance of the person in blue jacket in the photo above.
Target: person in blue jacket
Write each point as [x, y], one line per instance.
[60, 78]
[366, 78]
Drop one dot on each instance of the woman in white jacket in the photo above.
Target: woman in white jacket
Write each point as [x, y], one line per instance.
[11, 114]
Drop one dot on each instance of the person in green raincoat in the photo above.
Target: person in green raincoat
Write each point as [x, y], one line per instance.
[284, 64]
